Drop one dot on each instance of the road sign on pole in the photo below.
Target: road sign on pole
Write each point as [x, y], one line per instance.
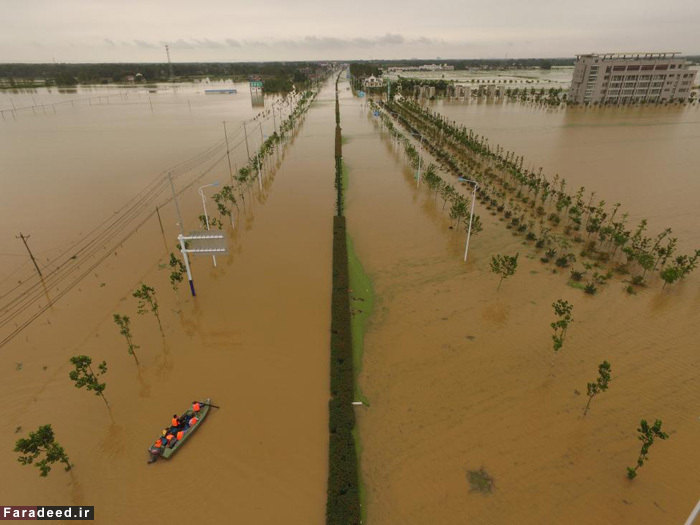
[201, 242]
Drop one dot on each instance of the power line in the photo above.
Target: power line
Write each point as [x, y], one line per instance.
[103, 234]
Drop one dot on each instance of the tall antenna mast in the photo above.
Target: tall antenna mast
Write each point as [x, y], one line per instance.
[170, 65]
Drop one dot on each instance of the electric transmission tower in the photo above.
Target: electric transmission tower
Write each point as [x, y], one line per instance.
[170, 65]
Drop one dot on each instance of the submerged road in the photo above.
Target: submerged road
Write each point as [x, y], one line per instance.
[255, 340]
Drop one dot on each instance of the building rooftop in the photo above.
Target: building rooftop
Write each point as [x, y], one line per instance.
[642, 55]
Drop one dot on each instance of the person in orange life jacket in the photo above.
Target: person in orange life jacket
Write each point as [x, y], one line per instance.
[175, 422]
[180, 435]
[196, 407]
[192, 422]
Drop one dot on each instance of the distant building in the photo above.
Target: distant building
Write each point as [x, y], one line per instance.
[424, 67]
[630, 78]
[372, 81]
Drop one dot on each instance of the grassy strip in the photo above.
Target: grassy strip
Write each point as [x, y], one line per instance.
[343, 504]
[362, 304]
[361, 489]
[343, 498]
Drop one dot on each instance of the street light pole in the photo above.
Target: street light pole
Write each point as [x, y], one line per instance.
[420, 160]
[471, 217]
[206, 215]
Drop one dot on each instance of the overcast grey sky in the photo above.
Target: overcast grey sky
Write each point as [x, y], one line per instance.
[233, 30]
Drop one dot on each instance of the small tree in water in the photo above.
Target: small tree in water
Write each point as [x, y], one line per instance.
[562, 309]
[213, 222]
[684, 264]
[124, 324]
[41, 441]
[600, 385]
[85, 376]
[476, 225]
[177, 275]
[647, 435]
[147, 296]
[504, 265]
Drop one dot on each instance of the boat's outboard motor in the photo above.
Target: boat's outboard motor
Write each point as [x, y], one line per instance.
[154, 454]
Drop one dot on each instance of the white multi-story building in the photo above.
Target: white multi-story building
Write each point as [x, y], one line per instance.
[630, 78]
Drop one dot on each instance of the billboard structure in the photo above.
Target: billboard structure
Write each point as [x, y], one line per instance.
[257, 97]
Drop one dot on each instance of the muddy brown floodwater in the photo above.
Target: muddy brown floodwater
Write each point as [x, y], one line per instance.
[643, 157]
[460, 377]
[255, 338]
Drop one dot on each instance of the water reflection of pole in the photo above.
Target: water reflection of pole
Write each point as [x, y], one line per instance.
[177, 207]
[162, 230]
[247, 149]
[471, 216]
[420, 156]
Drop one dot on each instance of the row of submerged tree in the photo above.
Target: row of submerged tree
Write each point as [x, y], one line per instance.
[554, 219]
[456, 205]
[243, 179]
[40, 448]
[505, 266]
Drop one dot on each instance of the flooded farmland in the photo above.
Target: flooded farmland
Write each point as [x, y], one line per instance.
[255, 339]
[461, 378]
[643, 157]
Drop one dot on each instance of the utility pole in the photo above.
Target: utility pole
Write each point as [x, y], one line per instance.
[228, 154]
[274, 119]
[262, 137]
[24, 240]
[172, 187]
[245, 132]
[274, 123]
